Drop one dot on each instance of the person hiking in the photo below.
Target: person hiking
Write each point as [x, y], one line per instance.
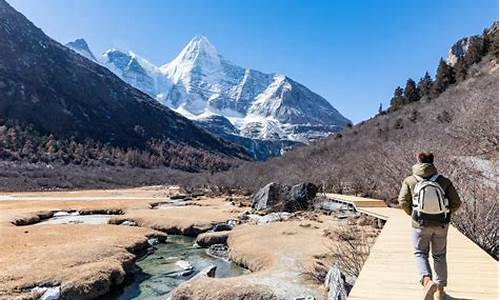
[430, 199]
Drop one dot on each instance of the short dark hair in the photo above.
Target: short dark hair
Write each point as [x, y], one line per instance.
[425, 157]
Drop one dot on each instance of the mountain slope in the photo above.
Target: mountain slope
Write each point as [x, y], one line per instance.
[459, 125]
[82, 48]
[50, 87]
[262, 106]
[199, 83]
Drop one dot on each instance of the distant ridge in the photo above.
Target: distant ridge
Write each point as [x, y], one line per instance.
[56, 91]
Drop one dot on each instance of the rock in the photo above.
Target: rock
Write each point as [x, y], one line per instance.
[335, 283]
[267, 197]
[206, 272]
[48, 293]
[210, 238]
[129, 223]
[273, 217]
[330, 206]
[300, 196]
[178, 197]
[222, 227]
[277, 197]
[153, 242]
[218, 250]
[184, 264]
[232, 223]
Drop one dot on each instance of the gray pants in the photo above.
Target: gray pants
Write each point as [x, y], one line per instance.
[433, 237]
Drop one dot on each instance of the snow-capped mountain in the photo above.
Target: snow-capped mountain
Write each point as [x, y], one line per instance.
[81, 47]
[136, 71]
[202, 85]
[262, 106]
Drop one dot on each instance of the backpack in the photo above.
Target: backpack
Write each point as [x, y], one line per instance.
[429, 202]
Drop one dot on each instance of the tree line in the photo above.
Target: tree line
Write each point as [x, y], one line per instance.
[426, 88]
[23, 143]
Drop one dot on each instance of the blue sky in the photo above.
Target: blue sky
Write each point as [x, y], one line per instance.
[352, 52]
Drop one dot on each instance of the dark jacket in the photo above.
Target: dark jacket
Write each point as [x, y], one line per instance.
[426, 171]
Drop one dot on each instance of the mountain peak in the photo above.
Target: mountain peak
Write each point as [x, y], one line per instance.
[198, 53]
[198, 50]
[82, 48]
[200, 44]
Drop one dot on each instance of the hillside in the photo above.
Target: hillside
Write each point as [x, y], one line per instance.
[266, 114]
[461, 123]
[49, 88]
[371, 159]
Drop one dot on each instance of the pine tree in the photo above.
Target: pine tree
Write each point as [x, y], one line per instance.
[460, 70]
[444, 77]
[411, 91]
[380, 110]
[51, 145]
[424, 85]
[28, 148]
[398, 99]
[475, 51]
[490, 37]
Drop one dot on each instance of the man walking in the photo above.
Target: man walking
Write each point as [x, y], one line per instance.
[430, 199]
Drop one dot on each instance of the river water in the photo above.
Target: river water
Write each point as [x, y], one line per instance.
[154, 276]
[157, 274]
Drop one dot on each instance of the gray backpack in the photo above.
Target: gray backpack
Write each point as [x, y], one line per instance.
[429, 199]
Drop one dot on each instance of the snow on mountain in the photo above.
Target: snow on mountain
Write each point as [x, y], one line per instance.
[136, 71]
[262, 106]
[81, 47]
[202, 85]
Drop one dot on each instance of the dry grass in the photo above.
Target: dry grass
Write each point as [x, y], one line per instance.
[67, 255]
[372, 158]
[81, 257]
[348, 248]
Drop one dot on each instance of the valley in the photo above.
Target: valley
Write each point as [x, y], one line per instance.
[199, 178]
[98, 259]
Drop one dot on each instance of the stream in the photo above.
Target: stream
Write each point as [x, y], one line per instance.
[156, 275]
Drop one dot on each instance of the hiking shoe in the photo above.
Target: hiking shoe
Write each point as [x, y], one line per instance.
[429, 289]
[440, 294]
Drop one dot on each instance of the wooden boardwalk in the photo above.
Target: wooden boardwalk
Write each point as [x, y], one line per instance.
[390, 271]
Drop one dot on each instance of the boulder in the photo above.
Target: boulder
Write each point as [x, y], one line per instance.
[300, 196]
[267, 197]
[277, 197]
[335, 283]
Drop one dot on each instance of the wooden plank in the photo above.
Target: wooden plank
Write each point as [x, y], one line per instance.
[390, 271]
